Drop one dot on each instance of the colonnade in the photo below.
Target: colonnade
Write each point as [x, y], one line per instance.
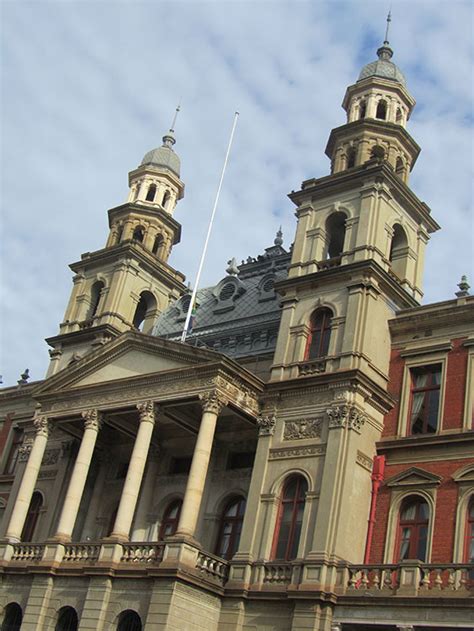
[212, 404]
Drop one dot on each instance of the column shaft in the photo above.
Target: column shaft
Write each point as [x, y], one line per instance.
[133, 481]
[28, 482]
[79, 476]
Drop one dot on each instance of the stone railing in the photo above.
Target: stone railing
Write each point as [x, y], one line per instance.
[311, 367]
[212, 567]
[27, 552]
[142, 552]
[335, 261]
[410, 578]
[81, 552]
[277, 573]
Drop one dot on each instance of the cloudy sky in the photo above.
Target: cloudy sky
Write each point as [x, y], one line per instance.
[88, 87]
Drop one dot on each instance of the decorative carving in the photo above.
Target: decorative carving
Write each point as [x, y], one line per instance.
[364, 461]
[147, 411]
[24, 451]
[297, 452]
[304, 428]
[345, 416]
[266, 425]
[212, 402]
[48, 474]
[92, 419]
[42, 425]
[51, 456]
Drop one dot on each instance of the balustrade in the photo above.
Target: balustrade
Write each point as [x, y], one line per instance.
[81, 552]
[27, 552]
[213, 567]
[277, 573]
[142, 552]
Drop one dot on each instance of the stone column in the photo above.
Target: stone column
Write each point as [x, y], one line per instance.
[212, 405]
[28, 482]
[145, 500]
[89, 529]
[92, 424]
[133, 481]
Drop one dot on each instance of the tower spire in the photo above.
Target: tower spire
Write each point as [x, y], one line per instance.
[389, 19]
[175, 116]
[168, 139]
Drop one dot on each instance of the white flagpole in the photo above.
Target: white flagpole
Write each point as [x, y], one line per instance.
[203, 255]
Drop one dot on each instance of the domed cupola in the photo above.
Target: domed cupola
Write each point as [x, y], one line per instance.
[164, 156]
[383, 67]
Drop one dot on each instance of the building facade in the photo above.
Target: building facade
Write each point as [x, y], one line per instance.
[304, 461]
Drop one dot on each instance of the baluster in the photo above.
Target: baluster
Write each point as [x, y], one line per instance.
[438, 582]
[426, 580]
[353, 578]
[451, 582]
[365, 579]
[376, 579]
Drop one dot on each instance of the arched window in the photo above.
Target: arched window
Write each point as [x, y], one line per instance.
[399, 251]
[12, 618]
[469, 540]
[362, 109]
[32, 517]
[150, 196]
[381, 111]
[399, 116]
[119, 234]
[400, 168]
[413, 529]
[290, 518]
[169, 523]
[138, 234]
[230, 528]
[166, 199]
[157, 243]
[129, 621]
[67, 620]
[377, 153]
[145, 312]
[320, 334]
[351, 158]
[96, 290]
[336, 232]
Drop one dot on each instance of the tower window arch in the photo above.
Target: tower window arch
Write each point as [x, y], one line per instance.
[166, 199]
[362, 109]
[150, 195]
[119, 234]
[129, 620]
[290, 518]
[400, 168]
[413, 526]
[139, 234]
[169, 523]
[32, 517]
[320, 334]
[351, 157]
[377, 153]
[157, 243]
[230, 528]
[381, 111]
[398, 251]
[67, 620]
[145, 312]
[336, 233]
[96, 291]
[399, 116]
[13, 617]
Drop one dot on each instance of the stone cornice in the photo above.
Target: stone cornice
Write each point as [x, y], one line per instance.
[92, 332]
[424, 441]
[449, 313]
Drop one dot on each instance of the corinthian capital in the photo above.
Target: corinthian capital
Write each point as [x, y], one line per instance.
[212, 402]
[147, 411]
[42, 425]
[266, 425]
[345, 416]
[92, 419]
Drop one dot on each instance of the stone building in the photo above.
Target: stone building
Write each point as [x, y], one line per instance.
[304, 461]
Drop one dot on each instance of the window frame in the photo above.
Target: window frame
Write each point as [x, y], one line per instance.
[166, 520]
[426, 390]
[468, 419]
[236, 526]
[281, 504]
[414, 525]
[326, 315]
[34, 518]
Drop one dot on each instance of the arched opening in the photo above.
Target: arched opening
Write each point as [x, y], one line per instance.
[377, 153]
[119, 234]
[138, 234]
[399, 251]
[320, 334]
[150, 195]
[400, 168]
[362, 109]
[169, 523]
[166, 199]
[230, 528]
[351, 157]
[336, 232]
[32, 517]
[469, 539]
[96, 291]
[12, 618]
[157, 243]
[143, 319]
[399, 116]
[381, 111]
[129, 621]
[413, 529]
[67, 620]
[290, 518]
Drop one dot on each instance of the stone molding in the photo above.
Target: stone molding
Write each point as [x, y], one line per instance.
[92, 419]
[297, 452]
[345, 416]
[364, 461]
[147, 411]
[24, 451]
[266, 425]
[303, 428]
[212, 402]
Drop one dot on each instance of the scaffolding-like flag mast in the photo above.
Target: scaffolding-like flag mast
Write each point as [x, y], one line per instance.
[203, 255]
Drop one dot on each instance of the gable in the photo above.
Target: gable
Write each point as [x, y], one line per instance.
[414, 477]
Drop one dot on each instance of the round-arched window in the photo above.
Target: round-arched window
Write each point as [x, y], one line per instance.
[169, 523]
[67, 620]
[230, 528]
[12, 618]
[413, 529]
[129, 621]
[290, 518]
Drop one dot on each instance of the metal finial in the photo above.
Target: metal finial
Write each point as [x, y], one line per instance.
[389, 19]
[177, 110]
[279, 237]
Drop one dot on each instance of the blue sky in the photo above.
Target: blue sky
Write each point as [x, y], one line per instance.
[88, 87]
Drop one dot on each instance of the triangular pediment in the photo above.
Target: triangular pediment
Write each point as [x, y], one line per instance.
[414, 477]
[465, 474]
[130, 355]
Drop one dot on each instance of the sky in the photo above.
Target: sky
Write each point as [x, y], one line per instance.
[87, 88]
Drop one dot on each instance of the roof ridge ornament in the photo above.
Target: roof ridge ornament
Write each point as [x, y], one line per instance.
[279, 237]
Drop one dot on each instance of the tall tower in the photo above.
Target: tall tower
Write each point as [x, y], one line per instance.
[357, 259]
[128, 283]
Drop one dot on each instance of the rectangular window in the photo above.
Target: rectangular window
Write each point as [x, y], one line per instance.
[424, 400]
[14, 452]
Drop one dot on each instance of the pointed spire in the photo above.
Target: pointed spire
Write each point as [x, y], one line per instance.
[385, 52]
[168, 139]
[389, 19]
[463, 287]
[279, 237]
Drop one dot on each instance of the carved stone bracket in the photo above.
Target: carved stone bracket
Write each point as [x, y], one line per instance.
[42, 425]
[212, 402]
[92, 419]
[304, 428]
[266, 425]
[345, 416]
[24, 451]
[147, 411]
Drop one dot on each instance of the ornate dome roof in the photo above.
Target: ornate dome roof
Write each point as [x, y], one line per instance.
[383, 67]
[164, 156]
